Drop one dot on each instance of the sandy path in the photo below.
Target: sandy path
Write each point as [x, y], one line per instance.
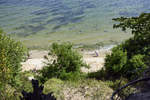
[36, 60]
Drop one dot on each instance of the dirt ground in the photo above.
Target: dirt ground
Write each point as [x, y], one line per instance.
[95, 59]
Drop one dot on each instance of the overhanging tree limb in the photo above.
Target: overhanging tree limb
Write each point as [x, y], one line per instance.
[130, 83]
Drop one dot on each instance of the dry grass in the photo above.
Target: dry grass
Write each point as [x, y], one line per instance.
[81, 90]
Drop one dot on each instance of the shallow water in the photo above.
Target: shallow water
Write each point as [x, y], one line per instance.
[31, 17]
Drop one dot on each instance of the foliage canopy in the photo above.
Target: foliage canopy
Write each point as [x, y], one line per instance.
[135, 51]
[11, 56]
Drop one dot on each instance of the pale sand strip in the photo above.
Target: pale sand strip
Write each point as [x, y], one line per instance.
[36, 60]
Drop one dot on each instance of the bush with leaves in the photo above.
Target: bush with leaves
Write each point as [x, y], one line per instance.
[140, 27]
[11, 56]
[66, 64]
[115, 63]
[131, 58]
[136, 65]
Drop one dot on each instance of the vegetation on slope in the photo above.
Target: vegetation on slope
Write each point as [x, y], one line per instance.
[66, 64]
[11, 55]
[86, 89]
[131, 58]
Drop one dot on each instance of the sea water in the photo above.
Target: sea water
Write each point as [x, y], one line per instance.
[25, 18]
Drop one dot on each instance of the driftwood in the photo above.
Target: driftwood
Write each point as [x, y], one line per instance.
[37, 93]
[130, 83]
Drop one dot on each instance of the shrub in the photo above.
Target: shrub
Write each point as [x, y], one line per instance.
[75, 76]
[131, 58]
[99, 75]
[11, 56]
[136, 65]
[119, 64]
[13, 93]
[140, 28]
[66, 65]
[10, 93]
[115, 62]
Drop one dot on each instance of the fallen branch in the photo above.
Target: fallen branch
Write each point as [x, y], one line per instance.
[130, 83]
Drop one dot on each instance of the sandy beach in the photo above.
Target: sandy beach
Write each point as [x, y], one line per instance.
[36, 60]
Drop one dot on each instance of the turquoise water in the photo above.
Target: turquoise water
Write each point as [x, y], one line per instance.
[32, 17]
